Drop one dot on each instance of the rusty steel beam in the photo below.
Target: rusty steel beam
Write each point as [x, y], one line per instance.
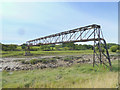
[84, 40]
[67, 35]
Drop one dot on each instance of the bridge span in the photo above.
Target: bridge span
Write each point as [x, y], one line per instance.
[83, 34]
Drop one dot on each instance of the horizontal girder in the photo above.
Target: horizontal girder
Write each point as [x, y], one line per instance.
[81, 34]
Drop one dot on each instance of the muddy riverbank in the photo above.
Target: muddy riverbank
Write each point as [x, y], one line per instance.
[15, 64]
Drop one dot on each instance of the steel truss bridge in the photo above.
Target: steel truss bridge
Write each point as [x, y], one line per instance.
[82, 34]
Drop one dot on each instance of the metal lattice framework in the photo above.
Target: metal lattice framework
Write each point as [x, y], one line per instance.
[82, 34]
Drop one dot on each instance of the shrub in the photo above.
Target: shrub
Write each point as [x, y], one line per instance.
[97, 49]
[114, 48]
[23, 61]
[57, 57]
[118, 51]
[53, 60]
[32, 61]
[68, 58]
[35, 61]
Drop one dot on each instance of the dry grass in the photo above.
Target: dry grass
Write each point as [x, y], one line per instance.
[106, 80]
[76, 76]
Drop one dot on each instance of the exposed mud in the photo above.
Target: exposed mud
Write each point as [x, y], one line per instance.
[14, 64]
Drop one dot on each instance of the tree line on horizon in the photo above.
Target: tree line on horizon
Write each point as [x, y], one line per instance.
[53, 47]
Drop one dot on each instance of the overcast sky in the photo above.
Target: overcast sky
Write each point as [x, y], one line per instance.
[24, 21]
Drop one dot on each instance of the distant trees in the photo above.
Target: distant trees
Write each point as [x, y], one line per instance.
[24, 46]
[114, 48]
[109, 45]
[58, 47]
[10, 47]
[73, 46]
[83, 47]
[70, 45]
[64, 46]
[45, 47]
[102, 49]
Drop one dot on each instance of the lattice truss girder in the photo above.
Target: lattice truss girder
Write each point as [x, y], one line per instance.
[82, 34]
[77, 35]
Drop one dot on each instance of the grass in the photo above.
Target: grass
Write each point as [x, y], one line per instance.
[43, 53]
[76, 76]
[12, 53]
[43, 60]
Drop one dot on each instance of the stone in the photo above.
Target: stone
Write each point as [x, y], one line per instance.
[70, 61]
[79, 61]
[42, 66]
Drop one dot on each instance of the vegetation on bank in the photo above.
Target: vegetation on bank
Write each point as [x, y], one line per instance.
[44, 53]
[43, 60]
[47, 53]
[76, 76]
[61, 47]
